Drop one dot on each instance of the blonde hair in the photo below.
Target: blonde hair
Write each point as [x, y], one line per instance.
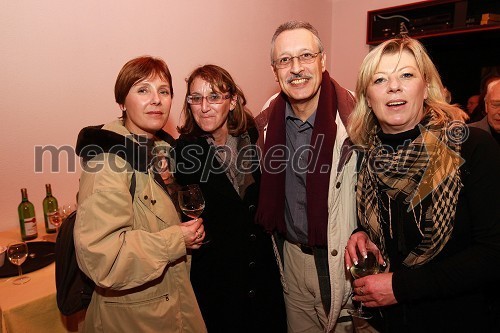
[363, 122]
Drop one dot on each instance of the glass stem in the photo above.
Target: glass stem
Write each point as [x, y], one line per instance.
[19, 270]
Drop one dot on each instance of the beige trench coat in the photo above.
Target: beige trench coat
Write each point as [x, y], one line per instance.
[133, 250]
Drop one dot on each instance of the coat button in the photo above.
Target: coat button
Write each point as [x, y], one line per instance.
[251, 209]
[334, 253]
[251, 293]
[337, 185]
[251, 264]
[252, 237]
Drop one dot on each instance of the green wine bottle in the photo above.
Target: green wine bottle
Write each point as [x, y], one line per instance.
[50, 208]
[27, 219]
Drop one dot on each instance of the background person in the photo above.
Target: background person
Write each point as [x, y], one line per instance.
[306, 122]
[491, 122]
[472, 103]
[480, 110]
[134, 248]
[427, 198]
[234, 275]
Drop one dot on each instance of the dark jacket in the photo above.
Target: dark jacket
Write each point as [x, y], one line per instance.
[454, 292]
[235, 276]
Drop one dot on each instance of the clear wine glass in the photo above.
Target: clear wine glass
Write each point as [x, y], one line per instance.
[366, 266]
[66, 209]
[191, 202]
[17, 252]
[56, 219]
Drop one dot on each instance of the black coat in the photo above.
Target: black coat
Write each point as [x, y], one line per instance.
[235, 275]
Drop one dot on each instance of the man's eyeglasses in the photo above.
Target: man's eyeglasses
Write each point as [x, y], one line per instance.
[494, 105]
[304, 58]
[213, 98]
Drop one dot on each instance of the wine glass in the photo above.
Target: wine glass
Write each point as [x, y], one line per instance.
[56, 219]
[366, 266]
[17, 252]
[66, 209]
[191, 200]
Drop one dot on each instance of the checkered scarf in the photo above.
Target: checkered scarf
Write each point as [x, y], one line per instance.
[429, 165]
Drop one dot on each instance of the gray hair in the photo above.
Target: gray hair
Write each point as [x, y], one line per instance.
[293, 25]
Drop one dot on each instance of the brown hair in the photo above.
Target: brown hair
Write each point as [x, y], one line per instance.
[238, 120]
[137, 70]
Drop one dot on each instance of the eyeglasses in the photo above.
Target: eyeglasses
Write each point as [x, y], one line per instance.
[304, 58]
[494, 105]
[213, 98]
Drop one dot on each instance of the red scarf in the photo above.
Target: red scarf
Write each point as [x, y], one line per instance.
[271, 208]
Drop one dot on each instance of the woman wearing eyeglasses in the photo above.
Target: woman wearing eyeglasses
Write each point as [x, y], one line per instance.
[234, 274]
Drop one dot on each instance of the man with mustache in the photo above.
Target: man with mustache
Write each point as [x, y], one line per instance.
[307, 196]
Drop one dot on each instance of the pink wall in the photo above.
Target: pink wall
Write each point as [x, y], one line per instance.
[59, 60]
[349, 36]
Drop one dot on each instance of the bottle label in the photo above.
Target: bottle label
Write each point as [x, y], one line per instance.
[54, 220]
[30, 226]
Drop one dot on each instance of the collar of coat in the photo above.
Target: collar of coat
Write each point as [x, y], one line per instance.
[93, 140]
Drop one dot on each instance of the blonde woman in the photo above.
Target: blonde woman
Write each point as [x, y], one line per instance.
[427, 198]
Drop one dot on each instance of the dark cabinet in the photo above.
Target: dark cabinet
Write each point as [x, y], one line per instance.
[430, 19]
[461, 36]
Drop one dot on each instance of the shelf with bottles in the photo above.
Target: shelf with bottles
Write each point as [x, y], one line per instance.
[433, 19]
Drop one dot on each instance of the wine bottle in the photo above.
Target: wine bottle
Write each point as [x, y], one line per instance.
[27, 219]
[50, 208]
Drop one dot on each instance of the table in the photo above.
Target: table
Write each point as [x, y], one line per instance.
[32, 307]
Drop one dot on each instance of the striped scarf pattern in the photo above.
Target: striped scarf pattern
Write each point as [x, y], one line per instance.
[429, 165]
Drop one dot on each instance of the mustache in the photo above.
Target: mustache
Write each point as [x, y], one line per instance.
[298, 76]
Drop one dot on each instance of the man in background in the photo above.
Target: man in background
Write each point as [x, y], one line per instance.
[472, 103]
[491, 122]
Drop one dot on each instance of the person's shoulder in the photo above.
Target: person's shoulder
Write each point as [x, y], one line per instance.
[268, 102]
[166, 137]
[186, 140]
[479, 142]
[262, 118]
[482, 124]
[478, 135]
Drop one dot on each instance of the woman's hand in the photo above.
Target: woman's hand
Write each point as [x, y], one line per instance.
[361, 242]
[193, 232]
[374, 290]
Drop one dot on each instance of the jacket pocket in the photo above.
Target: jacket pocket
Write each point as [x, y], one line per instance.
[161, 298]
[147, 315]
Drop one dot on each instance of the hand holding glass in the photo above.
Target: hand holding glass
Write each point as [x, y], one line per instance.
[366, 266]
[191, 202]
[17, 252]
